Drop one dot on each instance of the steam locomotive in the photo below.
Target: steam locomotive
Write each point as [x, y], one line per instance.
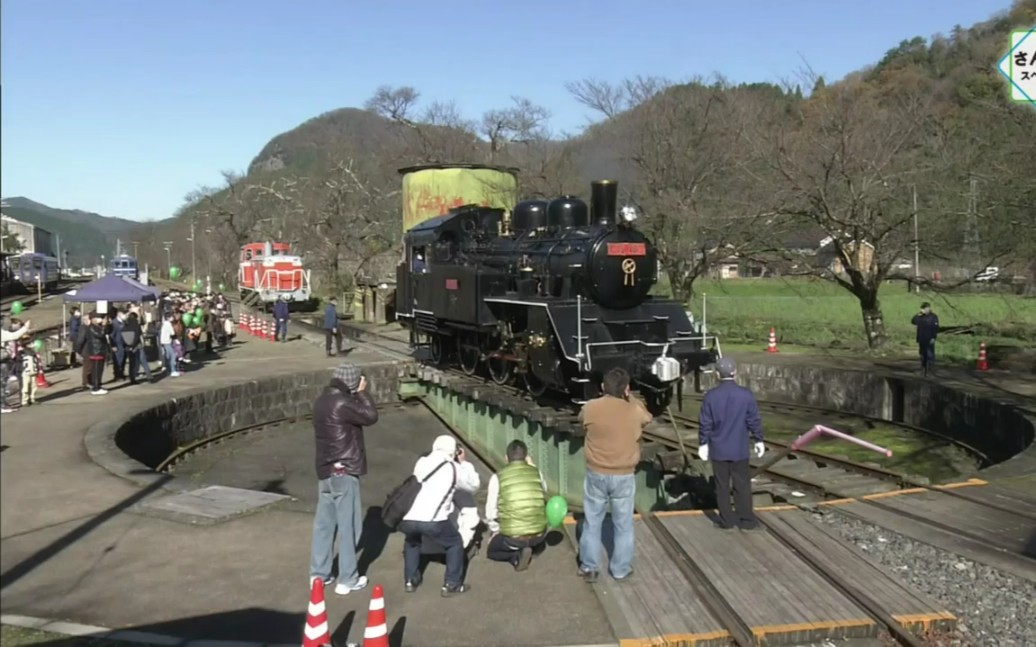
[554, 292]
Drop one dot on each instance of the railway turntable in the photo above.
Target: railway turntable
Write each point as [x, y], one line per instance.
[792, 585]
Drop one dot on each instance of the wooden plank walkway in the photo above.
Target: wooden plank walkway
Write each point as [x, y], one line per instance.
[909, 607]
[779, 596]
[657, 606]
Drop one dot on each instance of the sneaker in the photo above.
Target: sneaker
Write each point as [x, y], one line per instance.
[753, 529]
[346, 589]
[624, 577]
[411, 585]
[175, 374]
[524, 559]
[6, 410]
[99, 392]
[588, 576]
[450, 590]
[719, 526]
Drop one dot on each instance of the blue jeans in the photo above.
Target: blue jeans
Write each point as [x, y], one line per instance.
[927, 353]
[281, 332]
[170, 357]
[442, 532]
[338, 505]
[598, 491]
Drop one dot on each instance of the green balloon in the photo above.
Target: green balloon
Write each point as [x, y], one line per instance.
[198, 312]
[38, 345]
[17, 308]
[174, 272]
[198, 320]
[557, 509]
[221, 288]
[187, 318]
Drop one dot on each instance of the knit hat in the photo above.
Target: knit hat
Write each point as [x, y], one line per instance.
[349, 374]
[446, 444]
[725, 367]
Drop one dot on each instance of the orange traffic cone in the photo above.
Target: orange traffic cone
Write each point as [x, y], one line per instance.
[982, 364]
[772, 347]
[376, 633]
[316, 633]
[273, 331]
[41, 380]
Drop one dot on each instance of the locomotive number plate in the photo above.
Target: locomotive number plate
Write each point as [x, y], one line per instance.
[452, 284]
[627, 249]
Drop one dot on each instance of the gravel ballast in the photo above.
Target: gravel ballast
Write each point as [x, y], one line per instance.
[992, 607]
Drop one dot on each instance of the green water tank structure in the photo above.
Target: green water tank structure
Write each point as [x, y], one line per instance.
[431, 190]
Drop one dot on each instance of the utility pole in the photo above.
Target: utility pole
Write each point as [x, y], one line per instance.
[194, 269]
[135, 243]
[168, 256]
[917, 247]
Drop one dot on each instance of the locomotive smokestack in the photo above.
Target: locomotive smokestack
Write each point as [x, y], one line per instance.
[604, 195]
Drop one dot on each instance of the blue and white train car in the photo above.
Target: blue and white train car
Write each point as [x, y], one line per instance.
[124, 265]
[34, 269]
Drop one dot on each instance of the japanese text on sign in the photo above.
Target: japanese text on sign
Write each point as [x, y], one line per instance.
[1019, 66]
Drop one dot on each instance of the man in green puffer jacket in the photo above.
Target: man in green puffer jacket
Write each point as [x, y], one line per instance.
[516, 509]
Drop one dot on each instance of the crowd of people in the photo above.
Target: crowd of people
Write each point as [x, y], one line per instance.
[442, 517]
[175, 330]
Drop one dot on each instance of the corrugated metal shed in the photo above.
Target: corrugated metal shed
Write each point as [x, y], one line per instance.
[33, 238]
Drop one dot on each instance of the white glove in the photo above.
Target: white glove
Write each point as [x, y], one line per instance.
[703, 452]
[760, 449]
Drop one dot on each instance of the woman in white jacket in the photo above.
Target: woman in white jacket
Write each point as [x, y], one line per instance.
[7, 339]
[442, 472]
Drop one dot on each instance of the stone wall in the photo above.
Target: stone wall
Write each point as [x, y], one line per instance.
[135, 444]
[998, 429]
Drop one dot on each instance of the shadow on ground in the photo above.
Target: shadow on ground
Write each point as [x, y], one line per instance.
[256, 625]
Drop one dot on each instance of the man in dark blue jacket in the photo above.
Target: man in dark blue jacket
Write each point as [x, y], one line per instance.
[280, 316]
[331, 326]
[927, 330]
[729, 415]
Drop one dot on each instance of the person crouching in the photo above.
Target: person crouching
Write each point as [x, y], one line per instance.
[516, 509]
[443, 471]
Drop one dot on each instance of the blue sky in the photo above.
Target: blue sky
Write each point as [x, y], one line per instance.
[122, 107]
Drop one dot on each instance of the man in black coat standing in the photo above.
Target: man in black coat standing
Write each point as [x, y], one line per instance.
[339, 415]
[927, 330]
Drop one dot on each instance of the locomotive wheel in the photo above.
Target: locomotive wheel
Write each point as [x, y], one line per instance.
[469, 356]
[500, 370]
[436, 350]
[534, 385]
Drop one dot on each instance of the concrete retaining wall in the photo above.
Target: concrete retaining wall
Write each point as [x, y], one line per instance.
[134, 444]
[998, 429]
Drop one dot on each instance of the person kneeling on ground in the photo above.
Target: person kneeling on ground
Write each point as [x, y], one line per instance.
[442, 472]
[516, 509]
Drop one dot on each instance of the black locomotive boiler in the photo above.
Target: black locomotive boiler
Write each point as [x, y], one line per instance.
[552, 292]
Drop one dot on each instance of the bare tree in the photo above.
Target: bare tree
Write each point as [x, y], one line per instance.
[845, 168]
[683, 143]
[524, 122]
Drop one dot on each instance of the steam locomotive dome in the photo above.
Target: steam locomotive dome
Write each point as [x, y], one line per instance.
[621, 268]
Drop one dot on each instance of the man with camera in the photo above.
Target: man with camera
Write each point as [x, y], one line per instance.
[339, 415]
[442, 472]
[927, 330]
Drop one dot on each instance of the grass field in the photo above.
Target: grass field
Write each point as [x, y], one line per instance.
[814, 315]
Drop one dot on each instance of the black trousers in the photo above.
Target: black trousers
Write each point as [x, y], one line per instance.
[733, 475]
[337, 335]
[505, 549]
[927, 353]
[96, 373]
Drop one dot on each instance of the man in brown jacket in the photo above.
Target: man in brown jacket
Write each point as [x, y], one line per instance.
[613, 424]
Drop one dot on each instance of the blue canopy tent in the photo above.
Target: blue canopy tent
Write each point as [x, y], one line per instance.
[113, 288]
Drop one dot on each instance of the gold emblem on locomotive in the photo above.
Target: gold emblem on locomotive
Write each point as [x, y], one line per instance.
[629, 270]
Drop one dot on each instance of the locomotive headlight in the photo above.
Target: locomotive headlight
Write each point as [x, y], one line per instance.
[629, 214]
[666, 369]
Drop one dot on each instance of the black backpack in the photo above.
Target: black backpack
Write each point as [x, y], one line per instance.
[400, 500]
